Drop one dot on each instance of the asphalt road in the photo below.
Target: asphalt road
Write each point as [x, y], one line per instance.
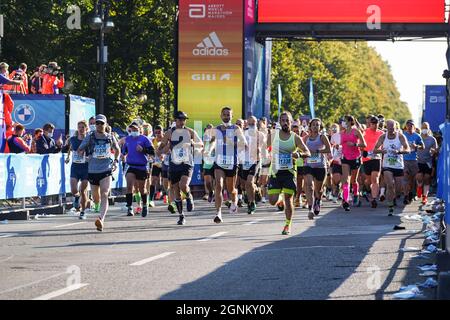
[337, 256]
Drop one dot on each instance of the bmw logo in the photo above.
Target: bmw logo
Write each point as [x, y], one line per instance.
[24, 114]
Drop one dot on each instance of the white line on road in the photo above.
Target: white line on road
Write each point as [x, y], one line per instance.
[216, 235]
[67, 225]
[60, 292]
[253, 222]
[30, 284]
[160, 256]
[7, 235]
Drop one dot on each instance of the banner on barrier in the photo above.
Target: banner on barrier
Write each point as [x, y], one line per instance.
[32, 175]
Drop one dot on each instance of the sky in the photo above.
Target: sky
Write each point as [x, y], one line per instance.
[414, 65]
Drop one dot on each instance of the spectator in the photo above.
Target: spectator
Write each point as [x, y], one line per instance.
[36, 79]
[5, 82]
[18, 143]
[46, 144]
[37, 135]
[53, 79]
[21, 75]
[92, 126]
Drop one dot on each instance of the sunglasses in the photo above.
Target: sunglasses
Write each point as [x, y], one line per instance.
[99, 123]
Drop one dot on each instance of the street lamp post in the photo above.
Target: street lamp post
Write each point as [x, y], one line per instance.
[101, 22]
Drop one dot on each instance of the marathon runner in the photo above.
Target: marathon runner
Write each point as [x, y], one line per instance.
[411, 164]
[97, 146]
[181, 140]
[315, 166]
[78, 169]
[250, 163]
[263, 177]
[156, 168]
[284, 144]
[336, 165]
[371, 160]
[227, 138]
[208, 163]
[393, 146]
[351, 141]
[425, 159]
[137, 149]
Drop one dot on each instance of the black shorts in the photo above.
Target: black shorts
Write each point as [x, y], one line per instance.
[156, 171]
[354, 164]
[372, 166]
[336, 168]
[95, 178]
[282, 182]
[317, 173]
[141, 175]
[243, 174]
[79, 171]
[208, 172]
[425, 169]
[178, 171]
[301, 171]
[396, 172]
[228, 173]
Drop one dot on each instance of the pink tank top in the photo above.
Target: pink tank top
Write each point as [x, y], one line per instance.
[350, 153]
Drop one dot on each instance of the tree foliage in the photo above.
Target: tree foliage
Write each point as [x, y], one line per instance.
[142, 61]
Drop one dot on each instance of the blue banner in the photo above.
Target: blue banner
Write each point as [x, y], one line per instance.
[81, 108]
[31, 175]
[2, 124]
[435, 106]
[443, 171]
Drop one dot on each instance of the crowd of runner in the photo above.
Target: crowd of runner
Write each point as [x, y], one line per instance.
[246, 162]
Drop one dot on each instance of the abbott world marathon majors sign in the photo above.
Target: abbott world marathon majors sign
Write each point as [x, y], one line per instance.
[210, 58]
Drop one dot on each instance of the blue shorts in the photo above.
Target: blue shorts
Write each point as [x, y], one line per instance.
[79, 171]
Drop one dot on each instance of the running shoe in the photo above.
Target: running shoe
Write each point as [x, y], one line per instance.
[97, 207]
[181, 220]
[210, 197]
[233, 208]
[130, 212]
[286, 230]
[171, 208]
[391, 211]
[329, 196]
[251, 208]
[138, 210]
[424, 200]
[227, 203]
[258, 196]
[158, 195]
[311, 214]
[297, 203]
[346, 206]
[218, 218]
[151, 204]
[366, 196]
[190, 203]
[76, 203]
[263, 200]
[165, 199]
[99, 224]
[382, 198]
[82, 216]
[316, 207]
[356, 202]
[280, 205]
[144, 211]
[205, 197]
[240, 203]
[374, 203]
[335, 200]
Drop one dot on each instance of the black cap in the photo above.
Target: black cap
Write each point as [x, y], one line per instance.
[181, 115]
[374, 119]
[410, 121]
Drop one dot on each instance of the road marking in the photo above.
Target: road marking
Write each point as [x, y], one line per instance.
[60, 292]
[160, 256]
[7, 235]
[253, 222]
[32, 283]
[216, 235]
[67, 225]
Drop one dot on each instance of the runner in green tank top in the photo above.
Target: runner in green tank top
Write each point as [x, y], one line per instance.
[284, 144]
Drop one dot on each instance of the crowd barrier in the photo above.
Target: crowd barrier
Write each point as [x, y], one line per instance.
[443, 176]
[32, 175]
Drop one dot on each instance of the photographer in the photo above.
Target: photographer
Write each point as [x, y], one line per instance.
[53, 79]
[36, 79]
[21, 75]
[18, 142]
[5, 82]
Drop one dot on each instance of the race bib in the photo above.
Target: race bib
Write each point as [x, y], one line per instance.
[226, 162]
[180, 155]
[314, 159]
[392, 158]
[283, 161]
[76, 158]
[102, 151]
[247, 165]
[208, 160]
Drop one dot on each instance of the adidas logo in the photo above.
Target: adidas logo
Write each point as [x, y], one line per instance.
[210, 46]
